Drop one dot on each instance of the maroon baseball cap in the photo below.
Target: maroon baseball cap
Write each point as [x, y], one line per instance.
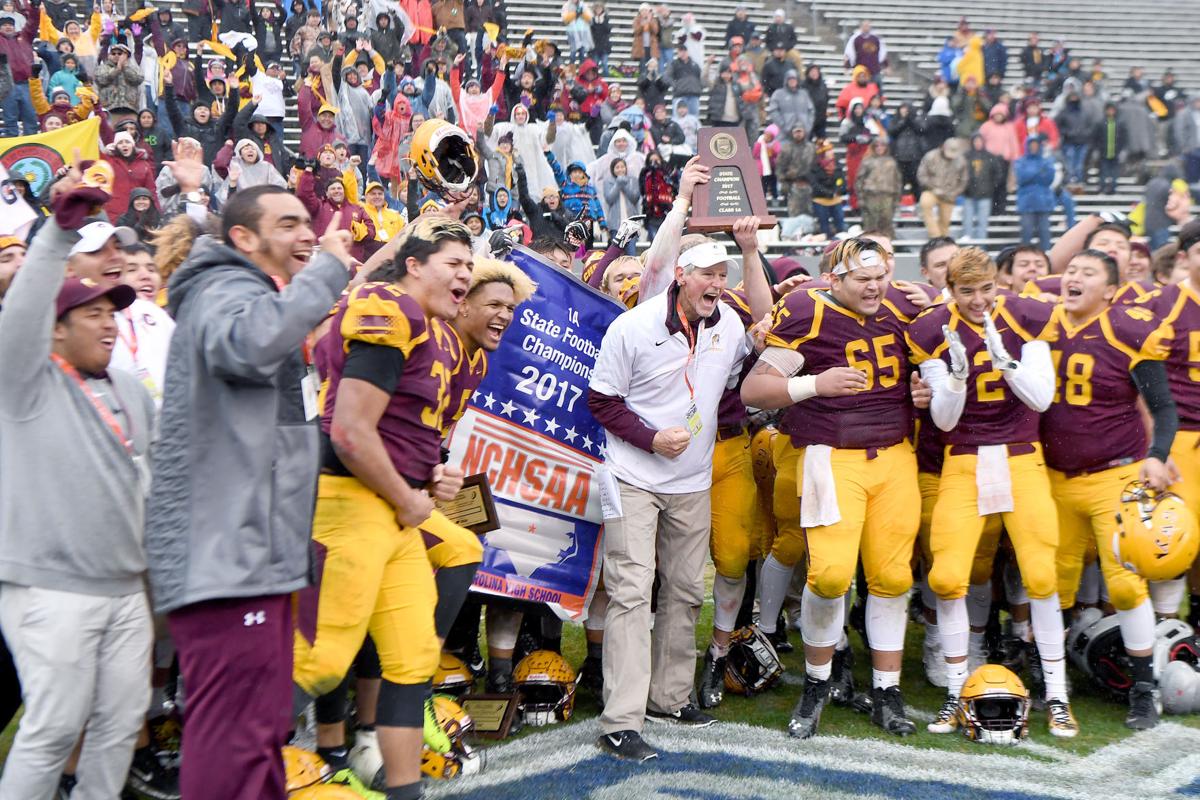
[78, 292]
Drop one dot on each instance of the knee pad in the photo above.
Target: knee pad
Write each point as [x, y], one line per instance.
[503, 625]
[893, 581]
[979, 604]
[401, 705]
[1167, 596]
[945, 584]
[887, 618]
[1125, 592]
[953, 626]
[821, 619]
[788, 548]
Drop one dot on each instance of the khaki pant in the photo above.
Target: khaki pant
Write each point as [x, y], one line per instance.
[935, 213]
[667, 533]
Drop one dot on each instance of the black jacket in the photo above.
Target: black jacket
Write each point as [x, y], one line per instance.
[905, 133]
[773, 75]
[602, 35]
[743, 28]
[984, 171]
[684, 78]
[780, 34]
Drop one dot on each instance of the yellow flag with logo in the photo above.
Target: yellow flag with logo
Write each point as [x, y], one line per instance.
[37, 158]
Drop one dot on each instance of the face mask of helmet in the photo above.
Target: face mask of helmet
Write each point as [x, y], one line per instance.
[545, 703]
[997, 720]
[752, 665]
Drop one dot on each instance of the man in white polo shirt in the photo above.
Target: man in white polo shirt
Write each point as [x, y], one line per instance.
[662, 369]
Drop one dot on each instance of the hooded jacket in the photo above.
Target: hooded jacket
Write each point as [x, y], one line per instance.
[945, 177]
[618, 188]
[273, 149]
[497, 214]
[576, 198]
[684, 78]
[144, 222]
[260, 173]
[128, 174]
[1035, 177]
[230, 512]
[1000, 135]
[210, 135]
[119, 88]
[788, 108]
[904, 131]
[852, 90]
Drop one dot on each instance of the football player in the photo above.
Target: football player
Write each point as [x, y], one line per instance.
[848, 421]
[988, 402]
[1178, 305]
[387, 361]
[1106, 357]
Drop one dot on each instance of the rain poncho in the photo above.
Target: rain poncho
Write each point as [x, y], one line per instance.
[622, 145]
[528, 138]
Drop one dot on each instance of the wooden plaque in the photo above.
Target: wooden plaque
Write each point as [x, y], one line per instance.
[734, 188]
[493, 714]
[473, 506]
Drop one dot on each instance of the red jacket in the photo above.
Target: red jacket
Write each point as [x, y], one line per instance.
[128, 174]
[421, 14]
[355, 219]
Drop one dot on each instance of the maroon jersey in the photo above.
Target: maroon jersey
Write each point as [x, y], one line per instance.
[828, 335]
[411, 425]
[992, 414]
[895, 299]
[1178, 306]
[1133, 291]
[731, 411]
[1047, 284]
[1094, 421]
[469, 372]
[931, 448]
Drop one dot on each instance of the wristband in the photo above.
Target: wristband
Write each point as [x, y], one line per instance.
[802, 387]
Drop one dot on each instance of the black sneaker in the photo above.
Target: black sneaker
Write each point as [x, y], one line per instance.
[474, 660]
[66, 785]
[689, 715]
[149, 779]
[627, 745]
[499, 681]
[807, 713]
[1037, 680]
[841, 680]
[712, 681]
[887, 711]
[1143, 707]
[779, 639]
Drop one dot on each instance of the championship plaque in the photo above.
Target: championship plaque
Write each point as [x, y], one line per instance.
[493, 714]
[734, 188]
[473, 507]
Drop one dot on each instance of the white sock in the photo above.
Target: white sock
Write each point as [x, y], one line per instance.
[1046, 618]
[727, 601]
[952, 622]
[773, 580]
[884, 680]
[1137, 626]
[1020, 629]
[887, 619]
[933, 637]
[956, 676]
[1056, 679]
[821, 619]
[979, 604]
[718, 650]
[1168, 595]
[818, 673]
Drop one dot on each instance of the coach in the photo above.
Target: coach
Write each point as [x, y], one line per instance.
[662, 369]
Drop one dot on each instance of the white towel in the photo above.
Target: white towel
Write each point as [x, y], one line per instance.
[993, 480]
[818, 495]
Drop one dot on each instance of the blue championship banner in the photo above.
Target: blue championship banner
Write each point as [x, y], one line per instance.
[529, 429]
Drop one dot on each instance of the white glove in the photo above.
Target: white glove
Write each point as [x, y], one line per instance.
[628, 230]
[958, 353]
[996, 348]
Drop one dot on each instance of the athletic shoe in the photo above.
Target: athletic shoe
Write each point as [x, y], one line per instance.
[806, 716]
[435, 738]
[887, 711]
[841, 679]
[712, 680]
[779, 638]
[1037, 680]
[499, 681]
[591, 677]
[149, 779]
[688, 716]
[627, 745]
[347, 778]
[946, 720]
[473, 658]
[1143, 707]
[1062, 721]
[935, 662]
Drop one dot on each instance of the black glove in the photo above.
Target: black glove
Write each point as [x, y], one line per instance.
[36, 69]
[500, 243]
[3, 59]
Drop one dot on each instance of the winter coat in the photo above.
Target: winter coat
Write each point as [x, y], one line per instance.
[119, 88]
[879, 175]
[795, 160]
[767, 152]
[601, 35]
[653, 89]
[1045, 128]
[210, 135]
[829, 187]
[647, 25]
[716, 101]
[260, 173]
[1000, 139]
[739, 27]
[1035, 178]
[657, 191]
[323, 210]
[684, 78]
[774, 73]
[945, 177]
[576, 198]
[271, 145]
[788, 108]
[235, 464]
[852, 91]
[497, 214]
[905, 135]
[1033, 61]
[1073, 124]
[314, 137]
[64, 79]
[970, 111]
[623, 187]
[128, 174]
[995, 59]
[984, 172]
[780, 34]
[143, 222]
[1100, 139]
[448, 14]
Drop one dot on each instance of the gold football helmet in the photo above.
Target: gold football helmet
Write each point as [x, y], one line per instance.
[303, 768]
[993, 707]
[547, 686]
[452, 677]
[461, 759]
[1156, 534]
[444, 157]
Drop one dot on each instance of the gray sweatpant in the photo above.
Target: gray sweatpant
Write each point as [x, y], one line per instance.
[669, 532]
[84, 662]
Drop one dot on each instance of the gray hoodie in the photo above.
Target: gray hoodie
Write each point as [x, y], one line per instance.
[71, 498]
[230, 511]
[787, 108]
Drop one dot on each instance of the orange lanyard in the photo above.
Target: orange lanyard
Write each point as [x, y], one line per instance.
[691, 337]
[101, 407]
[130, 341]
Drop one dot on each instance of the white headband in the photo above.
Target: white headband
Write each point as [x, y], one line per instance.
[866, 258]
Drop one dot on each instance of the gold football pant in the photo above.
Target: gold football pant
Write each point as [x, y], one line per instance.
[1185, 452]
[1087, 515]
[448, 544]
[957, 530]
[734, 502]
[989, 543]
[762, 459]
[880, 506]
[376, 578]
